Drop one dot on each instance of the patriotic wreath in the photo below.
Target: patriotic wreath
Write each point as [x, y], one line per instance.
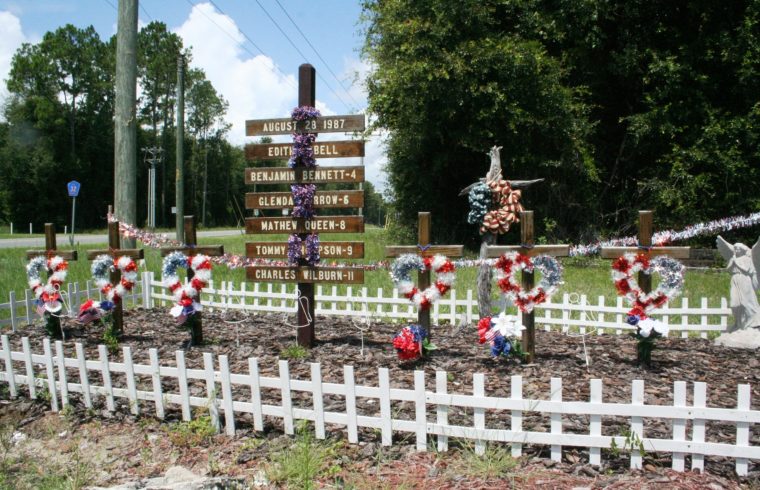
[501, 333]
[509, 264]
[101, 267]
[188, 295]
[48, 297]
[402, 267]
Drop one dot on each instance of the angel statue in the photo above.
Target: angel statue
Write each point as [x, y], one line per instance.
[743, 265]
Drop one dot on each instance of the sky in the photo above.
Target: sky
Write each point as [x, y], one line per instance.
[245, 47]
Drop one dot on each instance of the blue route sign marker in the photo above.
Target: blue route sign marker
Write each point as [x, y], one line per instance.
[73, 188]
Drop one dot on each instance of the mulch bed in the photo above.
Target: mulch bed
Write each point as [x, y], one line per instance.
[611, 358]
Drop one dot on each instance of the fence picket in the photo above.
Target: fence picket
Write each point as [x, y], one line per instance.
[556, 418]
[105, 370]
[420, 410]
[12, 304]
[64, 384]
[637, 423]
[595, 421]
[50, 372]
[516, 393]
[442, 411]
[318, 400]
[742, 429]
[84, 380]
[155, 373]
[698, 425]
[31, 384]
[479, 414]
[227, 404]
[129, 371]
[253, 376]
[386, 425]
[182, 381]
[9, 375]
[679, 425]
[213, 409]
[350, 384]
[287, 402]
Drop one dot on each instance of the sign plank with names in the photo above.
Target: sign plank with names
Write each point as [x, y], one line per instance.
[318, 175]
[327, 250]
[322, 199]
[328, 149]
[317, 224]
[322, 124]
[342, 275]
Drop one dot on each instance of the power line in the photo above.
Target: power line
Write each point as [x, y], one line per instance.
[150, 17]
[273, 67]
[316, 52]
[112, 5]
[299, 52]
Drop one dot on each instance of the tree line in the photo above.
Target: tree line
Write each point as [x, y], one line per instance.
[58, 126]
[619, 106]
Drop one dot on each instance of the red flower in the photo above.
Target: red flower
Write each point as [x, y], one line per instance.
[483, 326]
[428, 262]
[197, 284]
[540, 297]
[623, 286]
[131, 267]
[621, 265]
[425, 303]
[447, 266]
[639, 312]
[127, 285]
[643, 260]
[411, 293]
[174, 286]
[405, 345]
[442, 288]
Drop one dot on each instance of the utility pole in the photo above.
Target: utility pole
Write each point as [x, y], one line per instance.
[125, 127]
[180, 178]
[154, 156]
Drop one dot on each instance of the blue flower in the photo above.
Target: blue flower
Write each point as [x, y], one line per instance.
[500, 346]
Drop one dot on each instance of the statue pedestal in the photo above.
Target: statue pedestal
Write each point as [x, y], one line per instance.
[746, 338]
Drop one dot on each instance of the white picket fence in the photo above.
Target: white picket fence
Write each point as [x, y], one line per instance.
[569, 313]
[142, 386]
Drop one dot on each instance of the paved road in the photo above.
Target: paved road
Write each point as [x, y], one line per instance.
[63, 240]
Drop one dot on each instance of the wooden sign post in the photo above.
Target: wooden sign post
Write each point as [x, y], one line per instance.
[54, 322]
[528, 247]
[424, 249]
[115, 251]
[645, 247]
[301, 273]
[190, 249]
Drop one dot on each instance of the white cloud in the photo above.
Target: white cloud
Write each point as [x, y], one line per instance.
[10, 41]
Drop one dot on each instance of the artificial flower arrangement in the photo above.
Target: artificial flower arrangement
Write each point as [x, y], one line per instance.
[647, 329]
[48, 297]
[502, 333]
[187, 296]
[412, 343]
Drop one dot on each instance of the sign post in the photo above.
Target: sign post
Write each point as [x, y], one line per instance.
[302, 273]
[73, 188]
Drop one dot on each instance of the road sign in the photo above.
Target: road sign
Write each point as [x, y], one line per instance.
[342, 275]
[317, 224]
[323, 124]
[327, 250]
[73, 188]
[318, 175]
[322, 199]
[328, 149]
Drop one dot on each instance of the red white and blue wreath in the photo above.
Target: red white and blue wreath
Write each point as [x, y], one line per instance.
[188, 295]
[48, 296]
[101, 268]
[501, 332]
[401, 270]
[671, 284]
[509, 264]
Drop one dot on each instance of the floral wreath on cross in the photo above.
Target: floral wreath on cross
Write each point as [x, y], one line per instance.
[187, 296]
[47, 297]
[101, 267]
[494, 206]
[509, 264]
[444, 269]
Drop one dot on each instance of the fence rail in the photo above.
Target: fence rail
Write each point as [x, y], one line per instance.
[571, 312]
[426, 413]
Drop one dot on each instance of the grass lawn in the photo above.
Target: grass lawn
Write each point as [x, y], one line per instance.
[582, 275]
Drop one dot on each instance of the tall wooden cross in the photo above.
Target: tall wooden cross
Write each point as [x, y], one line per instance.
[115, 251]
[50, 251]
[424, 249]
[190, 249]
[645, 247]
[528, 247]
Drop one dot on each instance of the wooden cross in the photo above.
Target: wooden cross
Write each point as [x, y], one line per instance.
[50, 251]
[645, 247]
[424, 249]
[115, 251]
[190, 249]
[528, 247]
